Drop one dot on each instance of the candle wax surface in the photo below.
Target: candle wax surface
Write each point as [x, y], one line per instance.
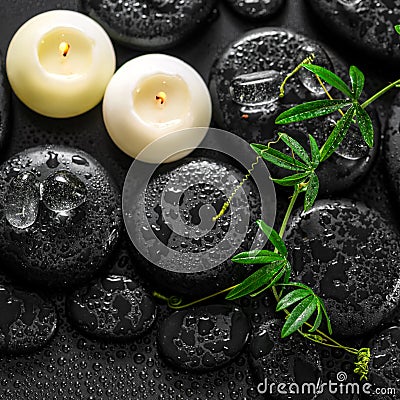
[78, 58]
[169, 111]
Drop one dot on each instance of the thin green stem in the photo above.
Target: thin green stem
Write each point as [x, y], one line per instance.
[289, 211]
[380, 93]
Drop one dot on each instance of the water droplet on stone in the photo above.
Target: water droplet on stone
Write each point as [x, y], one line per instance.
[52, 162]
[307, 78]
[79, 160]
[257, 88]
[22, 201]
[63, 191]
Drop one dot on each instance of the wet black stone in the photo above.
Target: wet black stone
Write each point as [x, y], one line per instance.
[366, 24]
[265, 49]
[204, 338]
[198, 204]
[385, 363]
[350, 256]
[5, 106]
[272, 49]
[112, 308]
[275, 360]
[392, 148]
[259, 9]
[27, 321]
[61, 248]
[150, 24]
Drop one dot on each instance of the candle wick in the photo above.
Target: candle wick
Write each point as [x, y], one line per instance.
[161, 98]
[64, 48]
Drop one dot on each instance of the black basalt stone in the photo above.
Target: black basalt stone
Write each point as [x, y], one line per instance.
[204, 338]
[150, 24]
[67, 247]
[5, 106]
[258, 10]
[350, 256]
[114, 307]
[27, 321]
[275, 360]
[366, 24]
[392, 148]
[182, 259]
[245, 82]
[385, 365]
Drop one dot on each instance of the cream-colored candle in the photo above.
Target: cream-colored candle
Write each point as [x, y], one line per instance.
[59, 63]
[152, 96]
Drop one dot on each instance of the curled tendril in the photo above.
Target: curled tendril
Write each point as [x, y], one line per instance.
[362, 363]
[174, 302]
[308, 60]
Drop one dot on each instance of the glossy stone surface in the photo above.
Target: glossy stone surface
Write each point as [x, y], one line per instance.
[365, 24]
[204, 338]
[27, 321]
[150, 24]
[256, 9]
[61, 248]
[338, 248]
[385, 366]
[180, 202]
[5, 106]
[112, 308]
[275, 360]
[263, 51]
[245, 83]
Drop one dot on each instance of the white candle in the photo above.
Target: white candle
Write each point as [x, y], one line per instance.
[59, 63]
[152, 96]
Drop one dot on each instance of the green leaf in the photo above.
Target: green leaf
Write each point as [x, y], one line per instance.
[397, 28]
[288, 272]
[292, 179]
[316, 157]
[318, 319]
[330, 78]
[278, 158]
[296, 147]
[328, 320]
[365, 124]
[257, 257]
[310, 110]
[357, 81]
[292, 298]
[273, 237]
[299, 316]
[260, 278]
[338, 134]
[297, 284]
[312, 192]
[274, 280]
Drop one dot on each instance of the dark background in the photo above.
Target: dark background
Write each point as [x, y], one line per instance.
[74, 367]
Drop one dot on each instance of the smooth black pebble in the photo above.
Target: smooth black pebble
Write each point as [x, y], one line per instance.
[258, 9]
[187, 256]
[204, 338]
[350, 256]
[27, 321]
[245, 83]
[365, 24]
[385, 363]
[114, 307]
[275, 360]
[67, 246]
[150, 25]
[5, 106]
[392, 148]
